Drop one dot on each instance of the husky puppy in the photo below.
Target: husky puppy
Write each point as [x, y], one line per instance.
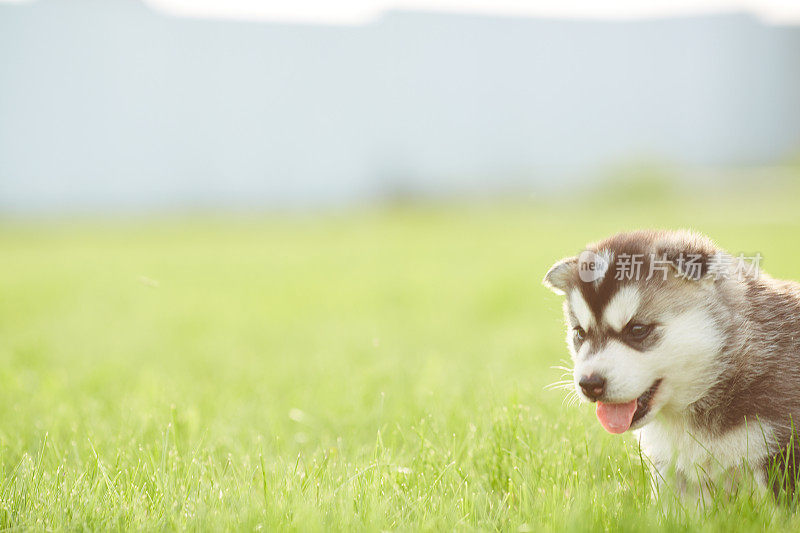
[695, 351]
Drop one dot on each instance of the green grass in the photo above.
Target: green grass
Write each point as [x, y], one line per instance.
[369, 370]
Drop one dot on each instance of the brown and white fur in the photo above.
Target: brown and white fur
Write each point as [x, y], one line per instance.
[720, 355]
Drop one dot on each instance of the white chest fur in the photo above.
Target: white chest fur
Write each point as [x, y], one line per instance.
[694, 455]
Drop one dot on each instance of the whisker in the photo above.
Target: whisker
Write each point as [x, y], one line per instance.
[559, 382]
[566, 385]
[573, 397]
[563, 386]
[570, 400]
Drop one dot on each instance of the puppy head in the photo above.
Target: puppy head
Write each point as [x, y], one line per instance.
[643, 322]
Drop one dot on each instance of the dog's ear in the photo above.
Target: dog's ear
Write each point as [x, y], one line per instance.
[693, 256]
[560, 275]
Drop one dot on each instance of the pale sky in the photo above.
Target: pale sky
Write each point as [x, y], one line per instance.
[362, 11]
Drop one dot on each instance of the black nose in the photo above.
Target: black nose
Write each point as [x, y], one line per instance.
[593, 386]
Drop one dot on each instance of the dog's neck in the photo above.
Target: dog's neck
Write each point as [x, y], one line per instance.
[762, 347]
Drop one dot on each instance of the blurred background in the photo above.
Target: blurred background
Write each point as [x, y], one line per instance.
[111, 106]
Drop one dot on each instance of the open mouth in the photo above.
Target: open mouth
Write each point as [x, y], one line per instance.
[643, 402]
[619, 417]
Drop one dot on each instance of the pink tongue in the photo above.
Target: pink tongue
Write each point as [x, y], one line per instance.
[616, 417]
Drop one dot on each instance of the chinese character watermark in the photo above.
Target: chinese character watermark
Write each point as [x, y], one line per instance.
[592, 267]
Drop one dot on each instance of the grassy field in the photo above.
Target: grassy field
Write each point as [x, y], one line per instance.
[376, 369]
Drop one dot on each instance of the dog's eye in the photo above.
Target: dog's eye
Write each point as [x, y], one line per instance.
[580, 333]
[639, 331]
